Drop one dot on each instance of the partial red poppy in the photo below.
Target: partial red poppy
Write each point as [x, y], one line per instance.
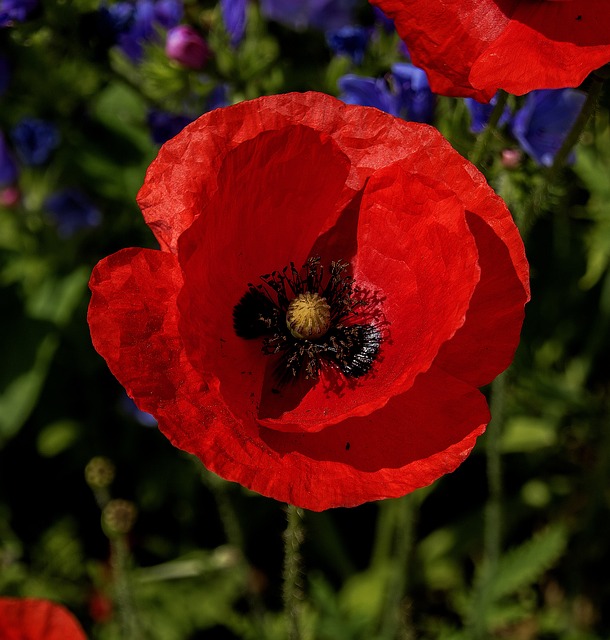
[475, 48]
[332, 287]
[34, 619]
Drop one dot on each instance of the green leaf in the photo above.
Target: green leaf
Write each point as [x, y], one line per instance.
[527, 433]
[18, 395]
[56, 298]
[56, 437]
[524, 565]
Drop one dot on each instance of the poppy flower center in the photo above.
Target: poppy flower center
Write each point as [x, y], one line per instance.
[308, 318]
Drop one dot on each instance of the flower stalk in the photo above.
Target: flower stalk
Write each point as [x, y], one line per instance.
[293, 592]
[128, 619]
[399, 516]
[492, 533]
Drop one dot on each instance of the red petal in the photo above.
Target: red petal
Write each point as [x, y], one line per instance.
[33, 619]
[486, 344]
[183, 177]
[416, 438]
[271, 219]
[133, 319]
[445, 38]
[416, 253]
[475, 48]
[547, 45]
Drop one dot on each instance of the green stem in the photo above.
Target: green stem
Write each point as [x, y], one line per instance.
[480, 146]
[493, 512]
[293, 593]
[492, 533]
[553, 173]
[234, 533]
[128, 619]
[396, 623]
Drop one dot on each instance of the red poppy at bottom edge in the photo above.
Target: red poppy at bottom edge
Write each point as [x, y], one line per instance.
[429, 308]
[37, 619]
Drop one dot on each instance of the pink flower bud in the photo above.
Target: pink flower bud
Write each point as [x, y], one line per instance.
[10, 196]
[186, 46]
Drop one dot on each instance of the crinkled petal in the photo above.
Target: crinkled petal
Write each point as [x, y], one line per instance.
[182, 179]
[546, 45]
[267, 222]
[418, 258]
[485, 345]
[386, 454]
[473, 49]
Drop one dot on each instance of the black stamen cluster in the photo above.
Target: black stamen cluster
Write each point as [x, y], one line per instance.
[261, 312]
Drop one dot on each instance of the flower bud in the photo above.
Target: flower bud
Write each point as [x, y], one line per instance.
[186, 46]
[99, 473]
[119, 516]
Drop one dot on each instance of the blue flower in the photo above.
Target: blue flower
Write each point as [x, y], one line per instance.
[164, 125]
[168, 13]
[544, 121]
[414, 94]
[141, 417]
[367, 92]
[147, 16]
[219, 97]
[349, 41]
[116, 19]
[35, 140]
[15, 10]
[386, 23]
[72, 210]
[8, 166]
[480, 113]
[300, 14]
[234, 17]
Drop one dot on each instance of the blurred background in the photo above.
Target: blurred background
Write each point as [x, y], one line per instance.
[97, 509]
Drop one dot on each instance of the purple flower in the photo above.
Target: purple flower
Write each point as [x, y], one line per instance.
[168, 13]
[15, 10]
[116, 19]
[300, 14]
[8, 166]
[414, 94]
[544, 121]
[34, 140]
[234, 17]
[186, 46]
[349, 41]
[367, 92]
[72, 210]
[5, 73]
[147, 17]
[164, 125]
[386, 23]
[480, 113]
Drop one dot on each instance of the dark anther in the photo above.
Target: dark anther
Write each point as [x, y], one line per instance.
[253, 315]
[307, 319]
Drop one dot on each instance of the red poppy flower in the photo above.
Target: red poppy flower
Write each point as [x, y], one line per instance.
[33, 619]
[475, 48]
[332, 286]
